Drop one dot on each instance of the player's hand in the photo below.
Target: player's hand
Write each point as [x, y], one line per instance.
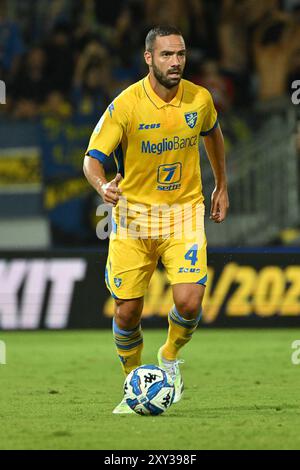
[219, 205]
[111, 192]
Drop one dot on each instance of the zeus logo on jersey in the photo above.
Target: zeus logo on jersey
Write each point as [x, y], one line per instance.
[148, 126]
[191, 119]
[167, 145]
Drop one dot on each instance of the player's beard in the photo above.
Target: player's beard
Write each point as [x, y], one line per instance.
[163, 79]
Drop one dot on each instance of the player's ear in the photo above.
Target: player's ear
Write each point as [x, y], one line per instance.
[148, 57]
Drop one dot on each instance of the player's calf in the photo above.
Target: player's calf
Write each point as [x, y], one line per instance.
[128, 334]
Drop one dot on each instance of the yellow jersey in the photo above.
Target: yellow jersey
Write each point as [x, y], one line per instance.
[156, 144]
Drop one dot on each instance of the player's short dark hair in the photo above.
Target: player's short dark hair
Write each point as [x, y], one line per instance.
[159, 31]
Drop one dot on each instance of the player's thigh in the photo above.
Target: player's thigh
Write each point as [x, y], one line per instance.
[130, 265]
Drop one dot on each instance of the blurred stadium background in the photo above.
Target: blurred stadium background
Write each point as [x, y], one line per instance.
[63, 62]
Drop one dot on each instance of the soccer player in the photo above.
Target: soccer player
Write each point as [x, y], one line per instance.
[152, 129]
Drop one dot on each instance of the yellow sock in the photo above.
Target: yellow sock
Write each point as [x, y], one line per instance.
[180, 333]
[129, 347]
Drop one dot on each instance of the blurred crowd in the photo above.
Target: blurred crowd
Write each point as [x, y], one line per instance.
[74, 56]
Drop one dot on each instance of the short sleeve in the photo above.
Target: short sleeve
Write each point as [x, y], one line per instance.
[109, 131]
[210, 121]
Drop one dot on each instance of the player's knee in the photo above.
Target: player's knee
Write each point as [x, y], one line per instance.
[189, 308]
[127, 315]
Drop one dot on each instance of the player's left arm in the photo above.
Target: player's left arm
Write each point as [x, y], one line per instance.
[214, 146]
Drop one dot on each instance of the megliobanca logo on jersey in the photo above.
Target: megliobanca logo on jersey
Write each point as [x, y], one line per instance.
[191, 119]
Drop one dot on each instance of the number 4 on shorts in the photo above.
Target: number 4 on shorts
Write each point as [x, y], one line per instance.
[191, 255]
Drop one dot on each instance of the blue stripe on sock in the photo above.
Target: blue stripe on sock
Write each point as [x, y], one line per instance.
[183, 321]
[183, 325]
[131, 346]
[118, 331]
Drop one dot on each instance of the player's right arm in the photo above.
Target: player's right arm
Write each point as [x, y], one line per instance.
[95, 174]
[104, 140]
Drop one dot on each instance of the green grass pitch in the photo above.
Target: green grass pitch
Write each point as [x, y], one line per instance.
[58, 389]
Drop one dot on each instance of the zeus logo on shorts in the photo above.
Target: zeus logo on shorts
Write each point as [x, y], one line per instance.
[189, 270]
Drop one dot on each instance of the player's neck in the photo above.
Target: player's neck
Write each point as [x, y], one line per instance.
[164, 93]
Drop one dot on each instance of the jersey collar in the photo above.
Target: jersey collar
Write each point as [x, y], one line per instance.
[156, 100]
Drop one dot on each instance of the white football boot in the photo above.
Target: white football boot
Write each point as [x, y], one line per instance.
[172, 369]
[122, 408]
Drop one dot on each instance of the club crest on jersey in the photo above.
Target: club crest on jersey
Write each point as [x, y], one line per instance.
[117, 282]
[191, 119]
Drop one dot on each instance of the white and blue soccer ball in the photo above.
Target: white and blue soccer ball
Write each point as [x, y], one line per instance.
[148, 390]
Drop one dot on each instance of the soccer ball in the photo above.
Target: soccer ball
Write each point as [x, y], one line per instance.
[148, 390]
